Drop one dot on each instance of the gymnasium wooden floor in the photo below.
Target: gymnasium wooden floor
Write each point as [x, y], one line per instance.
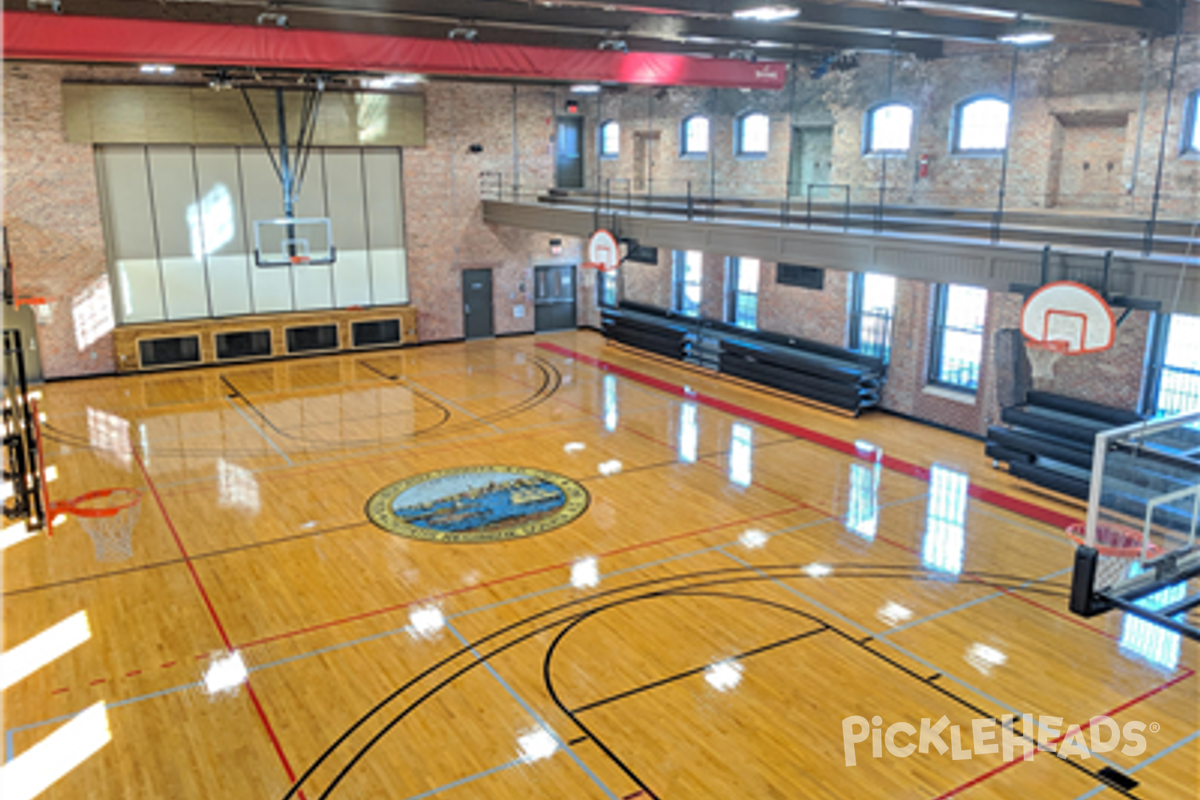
[758, 577]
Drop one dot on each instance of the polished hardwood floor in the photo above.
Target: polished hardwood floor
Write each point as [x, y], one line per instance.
[750, 573]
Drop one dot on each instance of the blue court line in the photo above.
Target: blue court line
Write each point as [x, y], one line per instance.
[970, 603]
[260, 432]
[1167, 751]
[529, 710]
[880, 638]
[8, 743]
[465, 613]
[464, 781]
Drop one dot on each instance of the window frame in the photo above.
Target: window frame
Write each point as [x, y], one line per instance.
[1190, 146]
[855, 338]
[937, 343]
[739, 135]
[600, 139]
[1152, 385]
[869, 129]
[679, 282]
[733, 274]
[605, 280]
[684, 152]
[956, 129]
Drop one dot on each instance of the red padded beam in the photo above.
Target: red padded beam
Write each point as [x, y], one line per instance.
[45, 37]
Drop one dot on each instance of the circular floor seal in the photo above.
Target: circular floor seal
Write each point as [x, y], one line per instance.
[477, 504]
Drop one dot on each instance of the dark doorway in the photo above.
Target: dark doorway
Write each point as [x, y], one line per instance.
[812, 161]
[554, 298]
[477, 303]
[568, 165]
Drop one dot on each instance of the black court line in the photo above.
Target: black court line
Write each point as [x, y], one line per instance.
[687, 673]
[716, 577]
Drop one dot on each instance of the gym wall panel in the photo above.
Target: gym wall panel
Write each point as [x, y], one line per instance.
[129, 234]
[218, 182]
[179, 230]
[352, 272]
[196, 115]
[179, 224]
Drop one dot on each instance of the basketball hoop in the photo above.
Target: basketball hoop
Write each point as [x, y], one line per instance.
[602, 268]
[1043, 356]
[1118, 547]
[108, 516]
[296, 260]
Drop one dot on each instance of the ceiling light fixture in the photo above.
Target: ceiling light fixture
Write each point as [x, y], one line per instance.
[767, 13]
[1027, 38]
[585, 88]
[273, 18]
[44, 5]
[614, 44]
[464, 33]
[157, 69]
[391, 81]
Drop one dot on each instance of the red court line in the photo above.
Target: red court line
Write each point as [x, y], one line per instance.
[212, 613]
[508, 578]
[990, 496]
[1123, 707]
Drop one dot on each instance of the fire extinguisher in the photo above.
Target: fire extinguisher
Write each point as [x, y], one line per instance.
[923, 166]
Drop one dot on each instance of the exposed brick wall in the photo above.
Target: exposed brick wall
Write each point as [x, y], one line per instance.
[818, 315]
[52, 212]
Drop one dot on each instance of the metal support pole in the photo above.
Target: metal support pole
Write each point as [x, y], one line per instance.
[1012, 92]
[1148, 242]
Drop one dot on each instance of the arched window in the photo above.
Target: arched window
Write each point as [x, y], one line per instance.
[693, 140]
[753, 134]
[981, 125]
[889, 128]
[610, 139]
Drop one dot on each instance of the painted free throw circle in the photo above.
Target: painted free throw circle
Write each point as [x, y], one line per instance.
[475, 504]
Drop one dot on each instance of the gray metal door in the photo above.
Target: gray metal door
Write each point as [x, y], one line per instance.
[477, 303]
[812, 161]
[554, 298]
[569, 153]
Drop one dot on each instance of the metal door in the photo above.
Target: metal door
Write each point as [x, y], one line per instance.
[554, 298]
[477, 303]
[569, 153]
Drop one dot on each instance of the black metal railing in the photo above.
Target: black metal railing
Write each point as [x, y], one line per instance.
[872, 333]
[918, 211]
[1178, 390]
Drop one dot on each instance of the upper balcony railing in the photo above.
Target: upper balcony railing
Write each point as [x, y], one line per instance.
[1093, 221]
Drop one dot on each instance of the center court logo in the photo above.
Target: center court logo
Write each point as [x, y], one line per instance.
[989, 736]
[477, 504]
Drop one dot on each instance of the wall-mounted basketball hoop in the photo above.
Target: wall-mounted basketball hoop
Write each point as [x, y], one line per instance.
[1065, 318]
[603, 253]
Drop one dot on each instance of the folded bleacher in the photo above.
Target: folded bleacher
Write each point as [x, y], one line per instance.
[1048, 440]
[820, 372]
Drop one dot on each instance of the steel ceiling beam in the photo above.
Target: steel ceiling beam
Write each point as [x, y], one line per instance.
[882, 21]
[514, 23]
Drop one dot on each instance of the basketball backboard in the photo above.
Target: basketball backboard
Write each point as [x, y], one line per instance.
[293, 241]
[603, 252]
[1142, 521]
[1068, 317]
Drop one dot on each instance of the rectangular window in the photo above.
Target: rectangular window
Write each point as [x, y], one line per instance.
[958, 336]
[741, 287]
[689, 267]
[1174, 385]
[606, 286]
[872, 306]
[1191, 124]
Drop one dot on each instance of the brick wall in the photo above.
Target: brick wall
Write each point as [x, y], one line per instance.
[52, 213]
